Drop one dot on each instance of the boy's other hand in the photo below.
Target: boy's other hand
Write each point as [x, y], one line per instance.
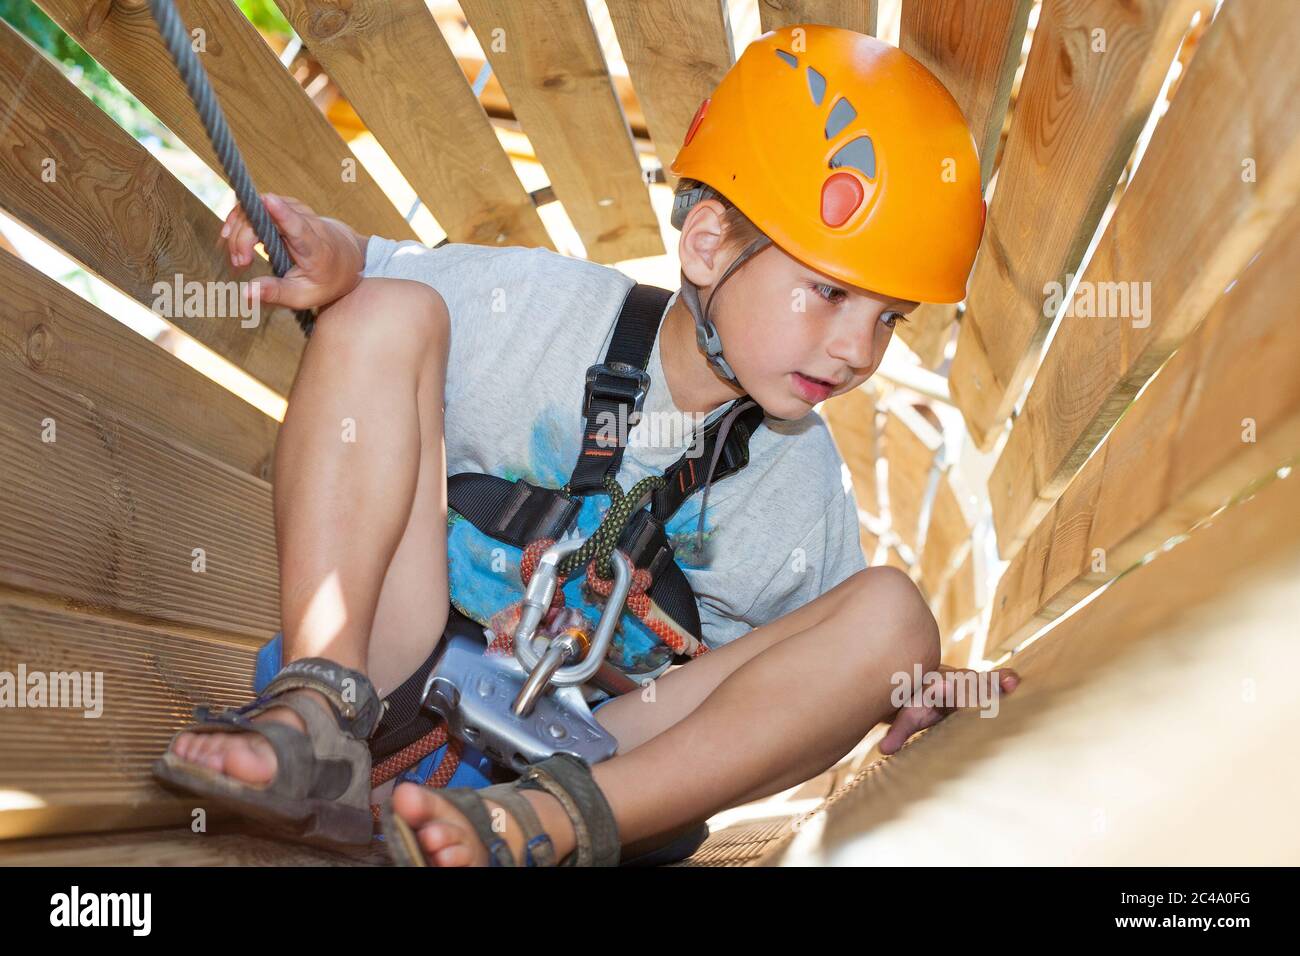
[328, 256]
[916, 717]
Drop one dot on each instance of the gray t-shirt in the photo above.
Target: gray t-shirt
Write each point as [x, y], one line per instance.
[525, 325]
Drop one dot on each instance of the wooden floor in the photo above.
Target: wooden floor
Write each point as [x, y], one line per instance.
[738, 845]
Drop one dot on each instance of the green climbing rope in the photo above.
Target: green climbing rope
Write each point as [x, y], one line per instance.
[601, 544]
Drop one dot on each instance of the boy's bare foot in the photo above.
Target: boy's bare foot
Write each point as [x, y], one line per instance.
[242, 756]
[448, 839]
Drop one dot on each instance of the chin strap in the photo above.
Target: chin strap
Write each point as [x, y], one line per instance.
[739, 406]
[706, 333]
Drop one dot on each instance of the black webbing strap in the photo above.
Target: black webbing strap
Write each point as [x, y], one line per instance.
[404, 722]
[615, 389]
[689, 472]
[515, 512]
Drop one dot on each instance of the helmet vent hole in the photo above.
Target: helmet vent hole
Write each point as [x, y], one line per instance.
[858, 153]
[789, 58]
[816, 86]
[842, 114]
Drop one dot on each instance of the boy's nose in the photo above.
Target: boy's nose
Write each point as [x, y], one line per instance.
[855, 341]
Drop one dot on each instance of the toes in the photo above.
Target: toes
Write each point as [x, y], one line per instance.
[456, 855]
[415, 804]
[249, 758]
[444, 844]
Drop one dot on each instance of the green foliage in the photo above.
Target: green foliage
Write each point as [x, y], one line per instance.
[91, 78]
[95, 81]
[265, 15]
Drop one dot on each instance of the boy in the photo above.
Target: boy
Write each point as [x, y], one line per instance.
[870, 215]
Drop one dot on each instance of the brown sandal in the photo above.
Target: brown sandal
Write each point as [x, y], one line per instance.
[321, 789]
[564, 777]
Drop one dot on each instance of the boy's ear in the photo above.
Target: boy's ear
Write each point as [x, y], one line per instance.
[701, 242]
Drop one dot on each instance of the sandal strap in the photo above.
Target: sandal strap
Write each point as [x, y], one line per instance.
[357, 706]
[538, 848]
[569, 780]
[471, 805]
[327, 762]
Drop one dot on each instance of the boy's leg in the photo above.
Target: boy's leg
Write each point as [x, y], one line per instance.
[360, 501]
[788, 707]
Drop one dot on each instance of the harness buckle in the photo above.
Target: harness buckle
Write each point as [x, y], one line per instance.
[523, 708]
[620, 381]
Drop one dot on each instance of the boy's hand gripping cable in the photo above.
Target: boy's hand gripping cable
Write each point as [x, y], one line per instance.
[177, 41]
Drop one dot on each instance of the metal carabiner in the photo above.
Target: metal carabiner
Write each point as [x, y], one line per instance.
[549, 667]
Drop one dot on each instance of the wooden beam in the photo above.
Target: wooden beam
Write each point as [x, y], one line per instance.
[100, 510]
[1224, 411]
[852, 420]
[947, 536]
[911, 445]
[67, 342]
[677, 52]
[927, 331]
[957, 602]
[550, 64]
[72, 175]
[395, 68]
[79, 774]
[973, 47]
[233, 844]
[859, 15]
[1084, 99]
[1222, 169]
[289, 147]
[1195, 647]
[870, 543]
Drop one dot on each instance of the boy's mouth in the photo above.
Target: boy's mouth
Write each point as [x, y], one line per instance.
[813, 389]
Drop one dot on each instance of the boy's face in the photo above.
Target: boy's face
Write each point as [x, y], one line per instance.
[785, 325]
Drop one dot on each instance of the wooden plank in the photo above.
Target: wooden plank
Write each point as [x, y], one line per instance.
[75, 347]
[115, 209]
[859, 15]
[910, 448]
[973, 47]
[677, 52]
[1195, 648]
[947, 536]
[228, 844]
[1177, 454]
[391, 61]
[895, 560]
[550, 64]
[289, 147]
[93, 774]
[852, 420]
[957, 603]
[927, 331]
[870, 543]
[103, 511]
[1222, 169]
[1074, 127]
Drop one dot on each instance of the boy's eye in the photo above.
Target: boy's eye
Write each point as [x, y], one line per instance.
[829, 292]
[892, 319]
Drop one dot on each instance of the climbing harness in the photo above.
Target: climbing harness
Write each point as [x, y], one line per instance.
[513, 701]
[177, 41]
[504, 688]
[630, 565]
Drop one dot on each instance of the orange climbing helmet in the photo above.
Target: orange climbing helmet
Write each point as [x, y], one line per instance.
[850, 155]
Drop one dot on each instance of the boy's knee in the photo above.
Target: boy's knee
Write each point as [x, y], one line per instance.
[396, 316]
[899, 614]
